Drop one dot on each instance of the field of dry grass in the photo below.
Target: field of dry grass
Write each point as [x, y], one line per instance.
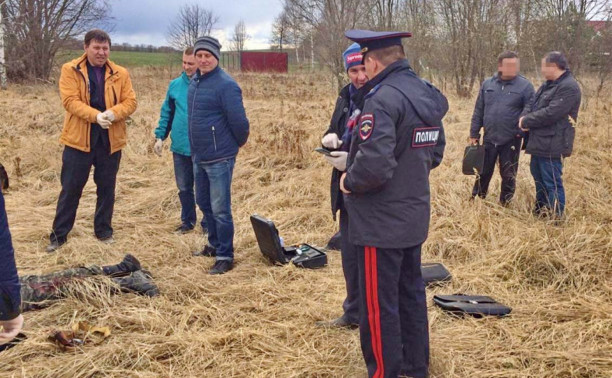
[259, 319]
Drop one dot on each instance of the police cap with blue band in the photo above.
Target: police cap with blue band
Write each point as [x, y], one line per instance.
[372, 40]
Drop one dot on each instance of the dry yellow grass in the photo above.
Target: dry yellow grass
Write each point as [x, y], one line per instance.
[259, 319]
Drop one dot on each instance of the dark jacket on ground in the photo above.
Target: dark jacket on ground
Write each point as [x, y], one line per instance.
[10, 297]
[218, 125]
[498, 108]
[398, 140]
[551, 133]
[338, 125]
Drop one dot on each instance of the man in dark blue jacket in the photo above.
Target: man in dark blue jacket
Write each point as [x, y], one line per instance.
[396, 143]
[218, 127]
[11, 320]
[337, 138]
[550, 123]
[501, 100]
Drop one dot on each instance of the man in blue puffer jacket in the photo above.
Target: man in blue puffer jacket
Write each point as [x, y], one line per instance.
[173, 122]
[218, 127]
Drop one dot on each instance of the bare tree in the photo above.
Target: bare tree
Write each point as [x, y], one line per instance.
[327, 20]
[386, 13]
[35, 30]
[280, 32]
[418, 16]
[574, 37]
[239, 37]
[193, 21]
[454, 40]
[3, 79]
[474, 33]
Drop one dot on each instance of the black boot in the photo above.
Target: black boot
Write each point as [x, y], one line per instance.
[138, 282]
[128, 265]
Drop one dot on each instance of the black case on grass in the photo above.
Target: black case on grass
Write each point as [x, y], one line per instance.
[303, 256]
[475, 305]
[434, 274]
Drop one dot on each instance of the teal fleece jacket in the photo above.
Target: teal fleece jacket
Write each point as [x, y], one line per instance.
[173, 116]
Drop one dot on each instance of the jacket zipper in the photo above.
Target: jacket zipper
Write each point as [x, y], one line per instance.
[214, 138]
[88, 101]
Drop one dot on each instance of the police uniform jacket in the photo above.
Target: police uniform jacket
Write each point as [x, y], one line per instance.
[398, 140]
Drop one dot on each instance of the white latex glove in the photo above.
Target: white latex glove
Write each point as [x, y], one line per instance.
[338, 160]
[10, 329]
[157, 148]
[331, 141]
[103, 121]
[109, 115]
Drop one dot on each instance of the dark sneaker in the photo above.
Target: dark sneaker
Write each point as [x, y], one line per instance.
[207, 251]
[128, 265]
[183, 229]
[221, 267]
[54, 246]
[341, 322]
[139, 283]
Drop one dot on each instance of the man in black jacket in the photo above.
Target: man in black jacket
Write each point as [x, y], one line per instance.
[501, 101]
[337, 138]
[397, 141]
[550, 123]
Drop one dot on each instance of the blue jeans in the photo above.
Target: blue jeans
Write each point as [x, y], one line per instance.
[213, 196]
[550, 194]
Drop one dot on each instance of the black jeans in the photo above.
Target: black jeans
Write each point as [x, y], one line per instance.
[76, 166]
[508, 155]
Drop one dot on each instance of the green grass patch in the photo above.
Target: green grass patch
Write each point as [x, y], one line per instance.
[129, 58]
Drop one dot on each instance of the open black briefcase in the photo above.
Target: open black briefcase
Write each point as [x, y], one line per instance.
[473, 160]
[303, 256]
[434, 274]
[475, 305]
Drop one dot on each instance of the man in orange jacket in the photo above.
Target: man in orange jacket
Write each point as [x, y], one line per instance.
[98, 97]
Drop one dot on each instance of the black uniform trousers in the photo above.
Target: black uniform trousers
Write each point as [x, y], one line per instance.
[393, 322]
[349, 253]
[76, 166]
[508, 156]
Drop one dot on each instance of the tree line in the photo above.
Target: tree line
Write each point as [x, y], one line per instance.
[32, 32]
[456, 42]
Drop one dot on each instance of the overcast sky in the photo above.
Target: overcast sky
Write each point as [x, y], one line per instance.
[146, 21]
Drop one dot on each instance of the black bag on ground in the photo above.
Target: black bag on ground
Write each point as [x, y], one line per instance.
[473, 159]
[475, 305]
[335, 243]
[434, 273]
[303, 256]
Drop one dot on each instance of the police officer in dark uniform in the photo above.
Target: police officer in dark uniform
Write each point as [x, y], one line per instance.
[398, 140]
